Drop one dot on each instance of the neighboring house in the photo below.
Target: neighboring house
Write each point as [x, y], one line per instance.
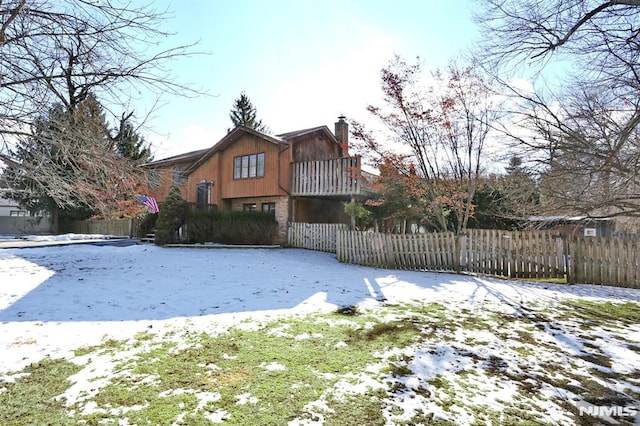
[15, 220]
[10, 207]
[302, 176]
[574, 225]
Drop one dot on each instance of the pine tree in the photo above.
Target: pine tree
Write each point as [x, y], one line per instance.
[128, 143]
[243, 113]
[58, 171]
[70, 167]
[171, 217]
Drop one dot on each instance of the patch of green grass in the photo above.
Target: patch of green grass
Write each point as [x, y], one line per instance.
[272, 373]
[110, 346]
[365, 409]
[30, 399]
[595, 313]
[283, 372]
[522, 350]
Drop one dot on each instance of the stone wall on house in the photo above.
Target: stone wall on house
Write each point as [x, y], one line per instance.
[281, 213]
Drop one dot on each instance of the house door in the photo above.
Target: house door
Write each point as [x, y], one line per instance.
[203, 192]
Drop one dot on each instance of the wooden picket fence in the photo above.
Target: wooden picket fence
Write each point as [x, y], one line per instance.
[314, 236]
[608, 261]
[398, 251]
[119, 227]
[526, 254]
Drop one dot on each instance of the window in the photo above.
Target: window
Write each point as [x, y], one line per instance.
[153, 179]
[251, 207]
[253, 161]
[178, 176]
[248, 166]
[17, 213]
[269, 208]
[202, 193]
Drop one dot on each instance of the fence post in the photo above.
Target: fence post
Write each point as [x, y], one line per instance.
[462, 252]
[570, 259]
[460, 241]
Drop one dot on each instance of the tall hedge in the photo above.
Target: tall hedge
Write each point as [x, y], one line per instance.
[231, 227]
[171, 217]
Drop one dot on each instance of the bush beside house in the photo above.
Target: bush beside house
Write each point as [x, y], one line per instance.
[231, 227]
[172, 216]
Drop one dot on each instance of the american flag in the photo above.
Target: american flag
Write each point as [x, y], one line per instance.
[150, 202]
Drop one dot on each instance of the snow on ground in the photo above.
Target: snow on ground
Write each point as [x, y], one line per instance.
[67, 237]
[56, 299]
[53, 300]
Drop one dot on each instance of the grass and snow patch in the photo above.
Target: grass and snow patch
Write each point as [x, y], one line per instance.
[442, 350]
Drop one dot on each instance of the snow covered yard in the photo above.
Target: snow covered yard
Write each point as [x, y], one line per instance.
[125, 335]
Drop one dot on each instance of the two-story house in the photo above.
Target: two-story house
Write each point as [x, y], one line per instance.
[302, 176]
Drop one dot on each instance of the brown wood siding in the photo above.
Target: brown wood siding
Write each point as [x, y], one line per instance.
[165, 181]
[285, 168]
[314, 147]
[209, 171]
[251, 187]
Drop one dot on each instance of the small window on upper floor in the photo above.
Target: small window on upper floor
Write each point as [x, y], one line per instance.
[179, 179]
[248, 166]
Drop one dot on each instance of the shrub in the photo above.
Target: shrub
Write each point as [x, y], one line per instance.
[147, 224]
[231, 227]
[171, 217]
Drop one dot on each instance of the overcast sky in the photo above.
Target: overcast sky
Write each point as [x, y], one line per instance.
[301, 62]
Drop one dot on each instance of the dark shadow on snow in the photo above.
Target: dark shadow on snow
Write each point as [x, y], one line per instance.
[188, 282]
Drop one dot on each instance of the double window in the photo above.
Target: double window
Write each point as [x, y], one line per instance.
[248, 166]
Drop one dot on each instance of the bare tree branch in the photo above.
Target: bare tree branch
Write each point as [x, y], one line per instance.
[59, 54]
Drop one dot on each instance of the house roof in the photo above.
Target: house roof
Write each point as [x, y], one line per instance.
[196, 158]
[230, 138]
[176, 159]
[298, 133]
[566, 219]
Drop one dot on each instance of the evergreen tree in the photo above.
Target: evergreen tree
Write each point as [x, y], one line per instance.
[128, 143]
[68, 166]
[172, 215]
[243, 113]
[52, 154]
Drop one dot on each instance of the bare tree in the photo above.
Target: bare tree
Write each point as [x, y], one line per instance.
[59, 53]
[600, 37]
[587, 149]
[444, 122]
[69, 165]
[583, 128]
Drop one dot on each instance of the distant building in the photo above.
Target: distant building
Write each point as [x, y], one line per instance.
[582, 226]
[10, 207]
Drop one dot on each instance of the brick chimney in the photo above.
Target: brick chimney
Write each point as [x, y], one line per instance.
[342, 135]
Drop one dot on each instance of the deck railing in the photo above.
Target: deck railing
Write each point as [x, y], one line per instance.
[336, 176]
